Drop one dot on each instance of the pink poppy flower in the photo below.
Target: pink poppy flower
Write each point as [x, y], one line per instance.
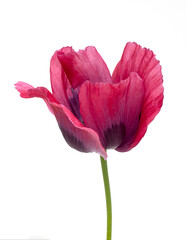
[96, 111]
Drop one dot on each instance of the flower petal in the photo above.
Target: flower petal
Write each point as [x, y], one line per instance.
[83, 65]
[59, 82]
[23, 88]
[112, 110]
[75, 133]
[150, 109]
[143, 61]
[61, 87]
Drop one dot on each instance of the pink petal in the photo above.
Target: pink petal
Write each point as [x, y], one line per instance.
[142, 61]
[112, 110]
[75, 133]
[83, 65]
[150, 109]
[59, 82]
[61, 87]
[23, 89]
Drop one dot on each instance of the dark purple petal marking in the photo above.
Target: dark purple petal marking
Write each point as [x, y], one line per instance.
[73, 141]
[74, 102]
[114, 136]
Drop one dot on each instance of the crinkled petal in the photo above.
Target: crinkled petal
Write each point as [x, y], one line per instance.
[83, 65]
[75, 133]
[113, 110]
[142, 61]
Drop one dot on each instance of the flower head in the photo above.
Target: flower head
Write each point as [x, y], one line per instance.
[96, 111]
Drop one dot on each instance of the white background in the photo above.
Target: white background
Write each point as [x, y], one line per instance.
[48, 189]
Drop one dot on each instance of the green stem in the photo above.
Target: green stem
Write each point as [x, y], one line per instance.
[108, 197]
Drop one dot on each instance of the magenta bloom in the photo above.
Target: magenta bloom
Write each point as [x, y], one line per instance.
[96, 111]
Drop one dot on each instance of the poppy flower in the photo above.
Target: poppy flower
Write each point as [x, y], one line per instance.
[94, 110]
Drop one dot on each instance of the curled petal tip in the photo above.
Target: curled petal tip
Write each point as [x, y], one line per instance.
[23, 88]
